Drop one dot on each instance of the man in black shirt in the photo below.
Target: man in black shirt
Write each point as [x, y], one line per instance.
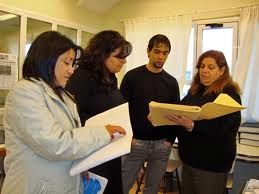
[139, 87]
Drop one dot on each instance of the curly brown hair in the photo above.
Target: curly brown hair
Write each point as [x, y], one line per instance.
[98, 50]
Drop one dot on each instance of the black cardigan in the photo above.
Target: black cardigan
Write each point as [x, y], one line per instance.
[211, 145]
[93, 98]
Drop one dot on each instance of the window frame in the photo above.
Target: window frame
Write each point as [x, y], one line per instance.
[227, 23]
[24, 15]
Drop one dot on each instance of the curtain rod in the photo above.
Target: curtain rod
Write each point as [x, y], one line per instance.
[195, 12]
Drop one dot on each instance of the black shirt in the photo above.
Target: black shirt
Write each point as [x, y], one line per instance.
[139, 87]
[211, 145]
[93, 98]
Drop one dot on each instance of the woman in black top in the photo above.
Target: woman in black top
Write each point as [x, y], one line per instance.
[208, 147]
[94, 86]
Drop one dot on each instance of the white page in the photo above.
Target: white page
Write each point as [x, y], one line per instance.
[119, 146]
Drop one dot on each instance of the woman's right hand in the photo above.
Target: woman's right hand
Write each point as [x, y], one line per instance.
[181, 120]
[112, 129]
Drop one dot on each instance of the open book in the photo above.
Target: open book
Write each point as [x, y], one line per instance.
[251, 187]
[222, 105]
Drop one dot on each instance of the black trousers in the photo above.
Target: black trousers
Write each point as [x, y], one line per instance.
[112, 171]
[196, 181]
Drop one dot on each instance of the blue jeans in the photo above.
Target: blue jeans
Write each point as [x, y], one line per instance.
[156, 153]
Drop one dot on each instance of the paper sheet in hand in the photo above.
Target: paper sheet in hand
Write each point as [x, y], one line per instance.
[222, 105]
[119, 146]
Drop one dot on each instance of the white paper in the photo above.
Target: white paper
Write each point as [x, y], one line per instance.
[119, 146]
[8, 70]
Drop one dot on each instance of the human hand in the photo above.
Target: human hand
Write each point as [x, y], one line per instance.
[167, 144]
[112, 129]
[85, 175]
[181, 120]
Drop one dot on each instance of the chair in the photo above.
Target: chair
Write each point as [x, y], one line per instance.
[172, 167]
[139, 181]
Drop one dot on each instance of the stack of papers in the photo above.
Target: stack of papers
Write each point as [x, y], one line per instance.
[252, 187]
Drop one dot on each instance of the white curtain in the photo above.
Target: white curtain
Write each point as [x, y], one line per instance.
[246, 71]
[176, 28]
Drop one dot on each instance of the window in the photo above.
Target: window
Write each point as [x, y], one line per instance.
[86, 36]
[190, 65]
[213, 34]
[9, 52]
[34, 29]
[18, 31]
[218, 36]
[69, 32]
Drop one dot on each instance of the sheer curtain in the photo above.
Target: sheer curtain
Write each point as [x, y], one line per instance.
[247, 66]
[176, 28]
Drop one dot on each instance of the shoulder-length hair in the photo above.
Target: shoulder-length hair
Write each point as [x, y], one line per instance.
[98, 50]
[42, 57]
[221, 82]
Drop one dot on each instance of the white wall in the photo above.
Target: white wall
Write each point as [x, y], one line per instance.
[199, 9]
[66, 10]
[130, 9]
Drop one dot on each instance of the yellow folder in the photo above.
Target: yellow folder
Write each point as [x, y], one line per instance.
[222, 105]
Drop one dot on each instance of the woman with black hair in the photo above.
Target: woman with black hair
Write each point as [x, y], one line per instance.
[94, 86]
[43, 133]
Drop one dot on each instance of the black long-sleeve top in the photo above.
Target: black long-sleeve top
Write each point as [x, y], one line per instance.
[139, 87]
[211, 145]
[91, 97]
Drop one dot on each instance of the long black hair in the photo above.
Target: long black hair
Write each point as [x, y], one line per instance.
[42, 57]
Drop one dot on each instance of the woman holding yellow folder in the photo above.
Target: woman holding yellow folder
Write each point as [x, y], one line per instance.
[208, 147]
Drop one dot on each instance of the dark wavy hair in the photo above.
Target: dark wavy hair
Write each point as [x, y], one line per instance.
[42, 57]
[158, 39]
[98, 50]
[221, 82]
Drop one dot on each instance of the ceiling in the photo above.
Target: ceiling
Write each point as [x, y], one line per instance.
[98, 6]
